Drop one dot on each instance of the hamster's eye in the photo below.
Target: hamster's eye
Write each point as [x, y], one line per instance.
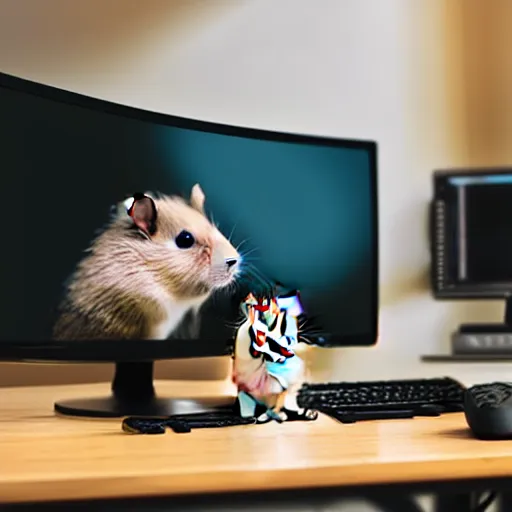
[185, 240]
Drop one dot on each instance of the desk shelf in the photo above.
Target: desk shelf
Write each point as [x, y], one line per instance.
[467, 358]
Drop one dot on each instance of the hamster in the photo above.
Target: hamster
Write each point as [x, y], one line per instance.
[158, 260]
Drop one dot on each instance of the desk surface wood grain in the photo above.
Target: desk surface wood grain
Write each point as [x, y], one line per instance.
[44, 457]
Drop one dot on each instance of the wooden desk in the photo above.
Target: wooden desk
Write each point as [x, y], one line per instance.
[47, 458]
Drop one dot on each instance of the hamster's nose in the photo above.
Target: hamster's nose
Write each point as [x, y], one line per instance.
[230, 262]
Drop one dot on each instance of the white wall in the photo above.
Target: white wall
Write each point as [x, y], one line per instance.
[395, 71]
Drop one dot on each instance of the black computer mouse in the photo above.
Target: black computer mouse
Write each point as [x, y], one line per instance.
[488, 410]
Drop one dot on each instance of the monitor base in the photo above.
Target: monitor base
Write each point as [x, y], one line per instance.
[133, 394]
[485, 338]
[110, 407]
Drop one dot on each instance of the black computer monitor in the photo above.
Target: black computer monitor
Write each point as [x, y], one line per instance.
[301, 210]
[471, 235]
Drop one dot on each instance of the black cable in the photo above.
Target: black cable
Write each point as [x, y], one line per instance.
[484, 504]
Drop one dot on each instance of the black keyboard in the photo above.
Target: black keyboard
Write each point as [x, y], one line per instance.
[349, 402]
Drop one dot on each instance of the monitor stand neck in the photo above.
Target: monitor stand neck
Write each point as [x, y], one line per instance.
[495, 339]
[505, 327]
[508, 312]
[133, 394]
[133, 381]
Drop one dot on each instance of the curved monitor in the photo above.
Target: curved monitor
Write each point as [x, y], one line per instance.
[101, 260]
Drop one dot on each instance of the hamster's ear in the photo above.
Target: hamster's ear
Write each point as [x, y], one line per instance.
[142, 209]
[197, 198]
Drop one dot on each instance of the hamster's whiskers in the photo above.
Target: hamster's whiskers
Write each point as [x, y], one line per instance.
[238, 247]
[244, 255]
[251, 273]
[212, 221]
[232, 233]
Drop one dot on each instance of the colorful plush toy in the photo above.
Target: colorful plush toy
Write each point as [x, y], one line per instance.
[266, 370]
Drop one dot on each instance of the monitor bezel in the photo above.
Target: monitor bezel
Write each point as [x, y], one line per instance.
[94, 351]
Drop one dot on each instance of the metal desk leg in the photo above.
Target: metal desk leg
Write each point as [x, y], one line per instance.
[390, 503]
[462, 502]
[505, 502]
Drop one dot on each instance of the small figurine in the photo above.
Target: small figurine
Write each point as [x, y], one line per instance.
[266, 370]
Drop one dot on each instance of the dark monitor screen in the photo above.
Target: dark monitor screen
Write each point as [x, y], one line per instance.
[489, 235]
[301, 211]
[473, 245]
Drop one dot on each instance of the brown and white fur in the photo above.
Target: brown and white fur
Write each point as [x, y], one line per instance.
[136, 282]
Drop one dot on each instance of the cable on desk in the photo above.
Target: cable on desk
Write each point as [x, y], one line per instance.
[484, 504]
